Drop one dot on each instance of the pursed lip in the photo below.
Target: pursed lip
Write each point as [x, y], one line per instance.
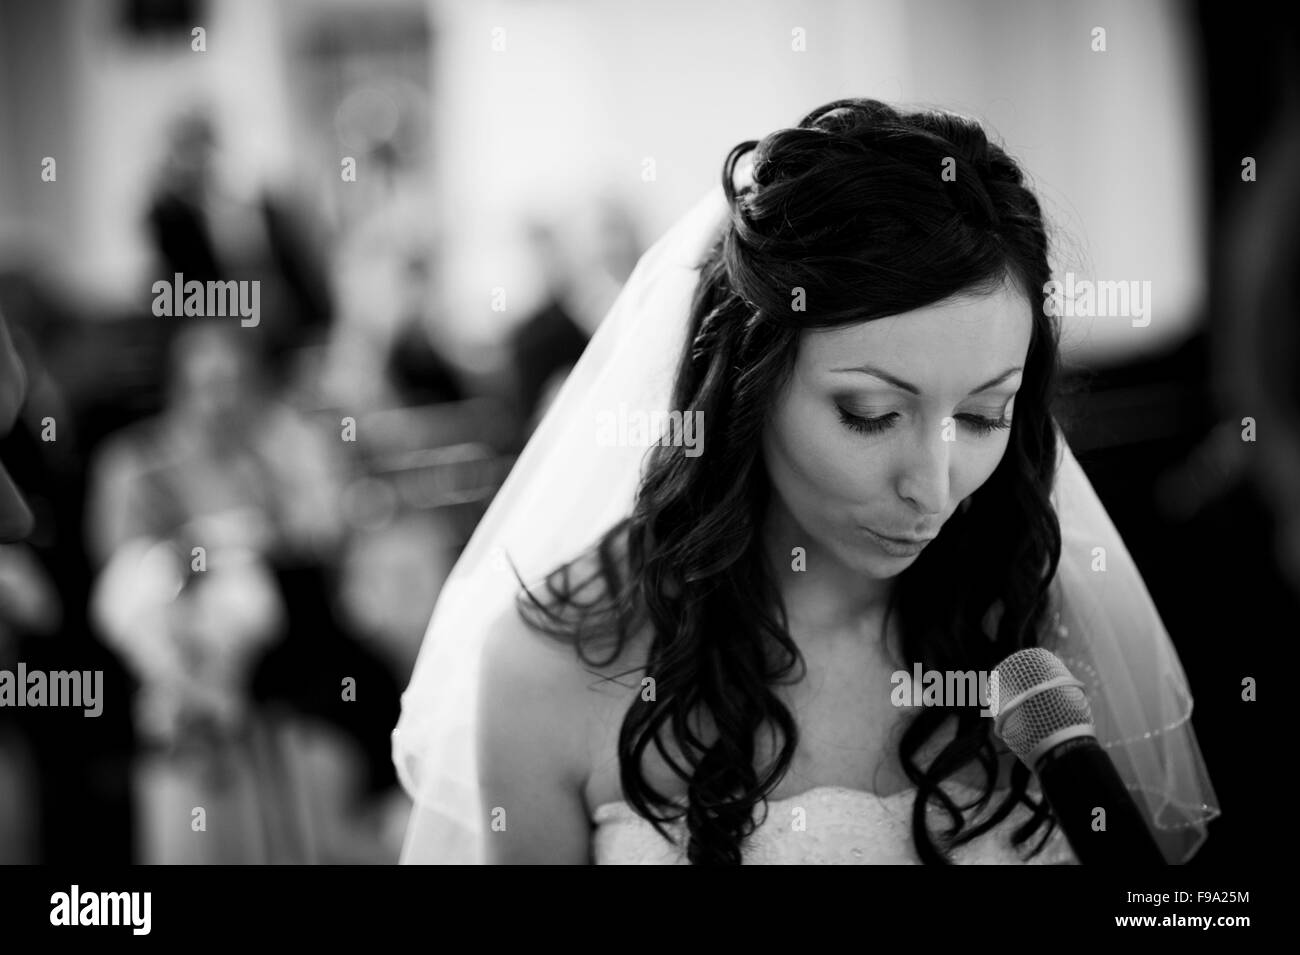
[900, 540]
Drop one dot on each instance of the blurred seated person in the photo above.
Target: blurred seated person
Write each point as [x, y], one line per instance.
[386, 347]
[417, 367]
[549, 342]
[579, 288]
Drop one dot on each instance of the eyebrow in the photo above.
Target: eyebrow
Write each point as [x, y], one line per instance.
[912, 389]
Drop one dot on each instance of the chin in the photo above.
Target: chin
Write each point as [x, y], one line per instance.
[866, 560]
[885, 566]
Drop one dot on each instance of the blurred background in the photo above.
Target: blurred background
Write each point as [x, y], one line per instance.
[440, 201]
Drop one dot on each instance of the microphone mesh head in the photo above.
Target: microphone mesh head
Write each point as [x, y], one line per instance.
[1039, 703]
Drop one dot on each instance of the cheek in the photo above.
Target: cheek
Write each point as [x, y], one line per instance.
[972, 468]
[818, 464]
[978, 464]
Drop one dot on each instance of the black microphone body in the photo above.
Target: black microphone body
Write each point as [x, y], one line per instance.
[1077, 778]
[1041, 712]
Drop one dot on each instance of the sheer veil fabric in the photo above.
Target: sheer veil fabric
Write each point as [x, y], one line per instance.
[568, 486]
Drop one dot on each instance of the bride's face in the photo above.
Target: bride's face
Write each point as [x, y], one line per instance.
[887, 426]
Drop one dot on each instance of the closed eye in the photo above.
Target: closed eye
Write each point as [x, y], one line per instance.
[978, 424]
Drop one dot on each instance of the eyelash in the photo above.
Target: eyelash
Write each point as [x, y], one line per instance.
[978, 423]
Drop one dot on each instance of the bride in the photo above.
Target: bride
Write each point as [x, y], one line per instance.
[648, 655]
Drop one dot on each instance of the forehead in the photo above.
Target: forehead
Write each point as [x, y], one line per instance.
[962, 341]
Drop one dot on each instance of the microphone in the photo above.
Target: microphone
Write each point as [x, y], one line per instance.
[1041, 712]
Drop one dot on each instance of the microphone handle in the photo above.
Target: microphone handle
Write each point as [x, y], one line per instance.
[1077, 777]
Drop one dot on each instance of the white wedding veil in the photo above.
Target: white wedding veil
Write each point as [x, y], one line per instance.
[567, 487]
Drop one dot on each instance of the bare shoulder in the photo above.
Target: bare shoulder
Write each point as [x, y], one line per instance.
[531, 748]
[530, 692]
[538, 688]
[545, 722]
[604, 656]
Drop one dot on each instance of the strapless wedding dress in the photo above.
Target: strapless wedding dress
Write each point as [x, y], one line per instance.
[827, 825]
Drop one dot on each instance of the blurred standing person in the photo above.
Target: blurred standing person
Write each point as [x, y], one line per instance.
[388, 344]
[209, 228]
[193, 516]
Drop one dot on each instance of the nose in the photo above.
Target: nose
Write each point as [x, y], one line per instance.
[924, 481]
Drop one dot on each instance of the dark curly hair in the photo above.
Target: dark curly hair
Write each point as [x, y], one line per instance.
[849, 205]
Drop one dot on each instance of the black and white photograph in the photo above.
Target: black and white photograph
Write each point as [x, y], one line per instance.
[598, 432]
